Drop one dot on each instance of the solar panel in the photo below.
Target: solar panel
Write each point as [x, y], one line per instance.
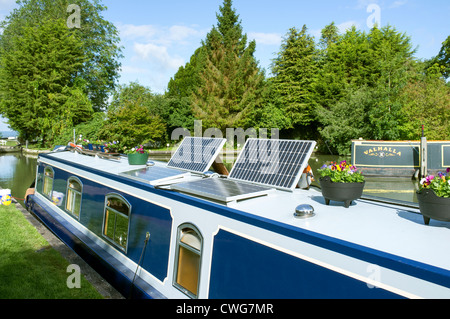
[271, 162]
[196, 154]
[220, 189]
[155, 174]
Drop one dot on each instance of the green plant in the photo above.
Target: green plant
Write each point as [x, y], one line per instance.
[342, 173]
[440, 184]
[136, 150]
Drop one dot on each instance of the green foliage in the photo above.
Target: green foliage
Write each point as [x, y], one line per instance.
[443, 58]
[39, 89]
[358, 85]
[89, 130]
[425, 101]
[53, 77]
[231, 82]
[294, 72]
[97, 37]
[131, 118]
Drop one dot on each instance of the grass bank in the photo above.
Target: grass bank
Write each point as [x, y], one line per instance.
[29, 267]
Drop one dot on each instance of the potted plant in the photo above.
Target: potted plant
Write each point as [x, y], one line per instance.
[86, 144]
[341, 182]
[434, 197]
[137, 155]
[112, 147]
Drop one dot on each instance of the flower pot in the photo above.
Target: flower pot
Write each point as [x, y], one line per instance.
[340, 192]
[433, 207]
[137, 159]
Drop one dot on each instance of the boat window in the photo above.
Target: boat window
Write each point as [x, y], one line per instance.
[47, 187]
[74, 193]
[116, 218]
[188, 260]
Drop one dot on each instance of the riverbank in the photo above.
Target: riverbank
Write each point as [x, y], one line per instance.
[17, 149]
[34, 262]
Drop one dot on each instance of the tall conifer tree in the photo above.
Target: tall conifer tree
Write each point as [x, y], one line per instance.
[231, 82]
[294, 72]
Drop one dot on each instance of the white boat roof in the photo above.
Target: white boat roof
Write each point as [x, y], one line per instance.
[390, 228]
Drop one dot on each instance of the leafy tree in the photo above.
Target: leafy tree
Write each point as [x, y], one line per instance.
[443, 58]
[346, 120]
[371, 68]
[39, 87]
[98, 39]
[426, 101]
[294, 72]
[187, 77]
[231, 83]
[131, 119]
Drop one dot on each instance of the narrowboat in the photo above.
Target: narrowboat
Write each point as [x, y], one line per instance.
[180, 230]
[401, 158]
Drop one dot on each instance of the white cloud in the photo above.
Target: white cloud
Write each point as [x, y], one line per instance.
[167, 35]
[157, 55]
[363, 4]
[133, 32]
[398, 3]
[265, 38]
[344, 26]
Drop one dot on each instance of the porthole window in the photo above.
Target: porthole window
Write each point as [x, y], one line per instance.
[47, 187]
[116, 220]
[73, 196]
[188, 260]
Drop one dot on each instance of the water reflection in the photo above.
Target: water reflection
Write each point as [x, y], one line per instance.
[17, 172]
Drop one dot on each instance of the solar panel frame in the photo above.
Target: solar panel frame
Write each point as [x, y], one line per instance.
[222, 189]
[272, 162]
[196, 154]
[155, 175]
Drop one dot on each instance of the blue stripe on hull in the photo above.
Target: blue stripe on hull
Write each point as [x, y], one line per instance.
[242, 268]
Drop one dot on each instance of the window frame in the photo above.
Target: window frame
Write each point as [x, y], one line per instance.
[106, 237]
[44, 181]
[191, 249]
[71, 212]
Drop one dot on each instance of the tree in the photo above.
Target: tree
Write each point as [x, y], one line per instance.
[443, 58]
[98, 39]
[131, 119]
[231, 83]
[294, 72]
[426, 101]
[39, 85]
[371, 68]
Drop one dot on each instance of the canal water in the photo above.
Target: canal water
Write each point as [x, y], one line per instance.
[17, 172]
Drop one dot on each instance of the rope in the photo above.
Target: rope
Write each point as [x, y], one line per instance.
[147, 237]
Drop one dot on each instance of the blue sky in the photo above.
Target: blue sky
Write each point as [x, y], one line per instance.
[160, 36]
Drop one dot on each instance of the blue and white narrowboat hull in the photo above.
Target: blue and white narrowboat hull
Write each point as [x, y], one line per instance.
[152, 241]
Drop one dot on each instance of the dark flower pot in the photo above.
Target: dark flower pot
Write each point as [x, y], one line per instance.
[340, 192]
[433, 206]
[137, 159]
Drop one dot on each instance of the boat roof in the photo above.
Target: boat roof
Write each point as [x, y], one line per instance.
[389, 228]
